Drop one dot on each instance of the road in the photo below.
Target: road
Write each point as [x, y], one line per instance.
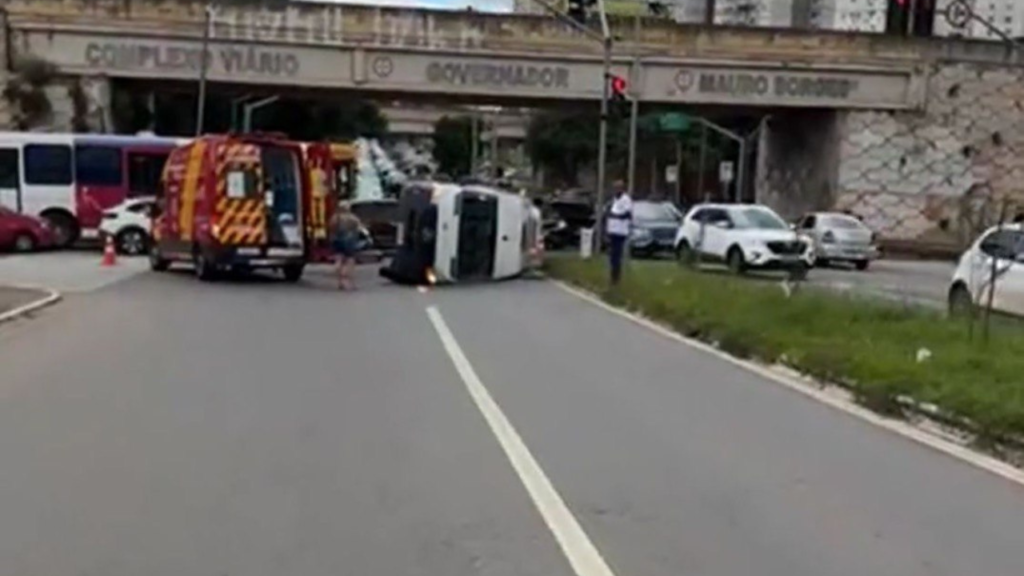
[924, 282]
[162, 426]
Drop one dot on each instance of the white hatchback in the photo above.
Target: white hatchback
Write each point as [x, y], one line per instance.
[743, 236]
[129, 224]
[998, 254]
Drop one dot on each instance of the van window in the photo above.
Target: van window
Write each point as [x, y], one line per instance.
[98, 166]
[144, 171]
[48, 164]
[9, 168]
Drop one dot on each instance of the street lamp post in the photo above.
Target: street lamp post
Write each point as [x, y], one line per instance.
[204, 64]
[605, 38]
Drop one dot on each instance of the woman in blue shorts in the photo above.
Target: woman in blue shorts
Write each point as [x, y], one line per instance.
[345, 228]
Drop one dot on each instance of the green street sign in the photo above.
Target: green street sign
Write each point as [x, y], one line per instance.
[674, 122]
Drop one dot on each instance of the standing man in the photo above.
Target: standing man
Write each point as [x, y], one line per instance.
[620, 218]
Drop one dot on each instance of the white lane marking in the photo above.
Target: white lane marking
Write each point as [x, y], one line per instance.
[962, 453]
[52, 297]
[583, 556]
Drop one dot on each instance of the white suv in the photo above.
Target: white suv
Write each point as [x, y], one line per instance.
[129, 224]
[999, 250]
[743, 236]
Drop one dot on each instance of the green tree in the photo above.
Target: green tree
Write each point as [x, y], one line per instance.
[453, 145]
[566, 142]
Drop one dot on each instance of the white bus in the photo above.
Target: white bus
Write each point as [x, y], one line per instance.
[453, 233]
[71, 179]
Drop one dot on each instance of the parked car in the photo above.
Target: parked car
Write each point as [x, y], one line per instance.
[380, 219]
[744, 237]
[129, 224]
[654, 228]
[999, 250]
[839, 237]
[23, 233]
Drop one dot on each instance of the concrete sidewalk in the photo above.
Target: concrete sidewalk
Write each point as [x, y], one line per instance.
[11, 298]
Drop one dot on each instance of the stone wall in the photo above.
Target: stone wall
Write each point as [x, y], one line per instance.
[938, 174]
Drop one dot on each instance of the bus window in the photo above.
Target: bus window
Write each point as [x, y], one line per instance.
[98, 166]
[48, 164]
[144, 171]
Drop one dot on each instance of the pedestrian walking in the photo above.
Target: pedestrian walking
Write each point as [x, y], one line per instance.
[345, 227]
[617, 227]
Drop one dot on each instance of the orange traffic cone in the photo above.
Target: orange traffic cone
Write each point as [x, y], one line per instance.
[109, 254]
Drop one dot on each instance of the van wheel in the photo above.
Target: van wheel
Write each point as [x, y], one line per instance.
[205, 270]
[293, 272]
[735, 261]
[157, 263]
[65, 228]
[861, 265]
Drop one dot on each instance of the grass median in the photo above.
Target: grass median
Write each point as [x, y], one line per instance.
[868, 345]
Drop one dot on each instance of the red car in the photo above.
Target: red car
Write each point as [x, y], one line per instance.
[23, 233]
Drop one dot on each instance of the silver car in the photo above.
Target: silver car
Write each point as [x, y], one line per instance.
[839, 237]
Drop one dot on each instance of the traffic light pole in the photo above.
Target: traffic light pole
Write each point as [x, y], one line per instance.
[605, 38]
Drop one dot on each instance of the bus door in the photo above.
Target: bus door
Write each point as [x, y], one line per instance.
[99, 181]
[10, 178]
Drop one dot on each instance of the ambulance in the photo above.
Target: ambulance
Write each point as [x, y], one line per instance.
[243, 202]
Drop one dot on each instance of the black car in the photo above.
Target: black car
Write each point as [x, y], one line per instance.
[563, 220]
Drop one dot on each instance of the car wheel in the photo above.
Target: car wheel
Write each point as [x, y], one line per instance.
[737, 265]
[821, 263]
[132, 242]
[293, 272]
[157, 263]
[961, 304]
[684, 254]
[861, 265]
[65, 229]
[204, 269]
[24, 242]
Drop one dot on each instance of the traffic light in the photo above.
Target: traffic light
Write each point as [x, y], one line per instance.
[904, 17]
[578, 10]
[618, 88]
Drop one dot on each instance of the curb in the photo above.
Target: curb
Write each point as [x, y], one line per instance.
[51, 298]
[826, 395]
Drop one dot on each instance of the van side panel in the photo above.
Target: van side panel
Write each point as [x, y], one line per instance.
[320, 196]
[189, 191]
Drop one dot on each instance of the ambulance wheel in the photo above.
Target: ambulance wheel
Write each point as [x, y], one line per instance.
[156, 262]
[292, 272]
[205, 269]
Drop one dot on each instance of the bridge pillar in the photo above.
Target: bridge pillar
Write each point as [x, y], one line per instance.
[798, 160]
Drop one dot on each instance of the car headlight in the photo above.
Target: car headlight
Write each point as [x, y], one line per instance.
[561, 225]
[641, 233]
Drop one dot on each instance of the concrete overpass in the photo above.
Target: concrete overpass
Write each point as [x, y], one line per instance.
[910, 133]
[419, 121]
[469, 54]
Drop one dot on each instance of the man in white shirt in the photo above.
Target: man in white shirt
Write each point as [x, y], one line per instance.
[619, 221]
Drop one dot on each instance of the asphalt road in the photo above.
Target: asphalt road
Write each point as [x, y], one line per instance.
[161, 426]
[924, 282]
